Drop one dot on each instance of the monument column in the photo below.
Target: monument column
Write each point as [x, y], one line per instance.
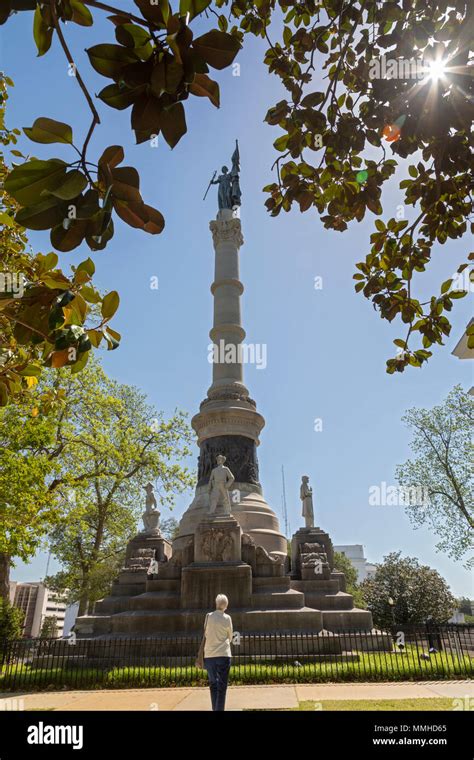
[228, 422]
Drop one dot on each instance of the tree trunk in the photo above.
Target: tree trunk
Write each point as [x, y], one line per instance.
[83, 602]
[5, 562]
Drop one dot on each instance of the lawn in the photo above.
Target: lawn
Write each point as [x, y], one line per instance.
[373, 666]
[391, 705]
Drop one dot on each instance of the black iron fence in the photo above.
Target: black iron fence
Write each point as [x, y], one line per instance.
[165, 661]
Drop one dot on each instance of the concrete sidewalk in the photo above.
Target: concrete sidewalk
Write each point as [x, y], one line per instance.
[238, 697]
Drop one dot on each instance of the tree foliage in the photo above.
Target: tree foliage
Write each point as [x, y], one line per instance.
[343, 565]
[112, 443]
[443, 448]
[28, 453]
[11, 621]
[49, 627]
[334, 141]
[77, 468]
[404, 592]
[47, 319]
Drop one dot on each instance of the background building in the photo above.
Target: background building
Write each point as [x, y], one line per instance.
[355, 554]
[38, 603]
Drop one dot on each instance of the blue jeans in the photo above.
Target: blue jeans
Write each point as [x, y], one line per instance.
[218, 675]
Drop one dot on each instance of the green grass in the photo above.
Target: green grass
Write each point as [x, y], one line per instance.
[373, 666]
[392, 705]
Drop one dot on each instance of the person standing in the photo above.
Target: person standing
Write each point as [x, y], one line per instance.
[217, 654]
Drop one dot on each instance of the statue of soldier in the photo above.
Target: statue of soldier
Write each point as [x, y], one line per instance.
[220, 482]
[306, 496]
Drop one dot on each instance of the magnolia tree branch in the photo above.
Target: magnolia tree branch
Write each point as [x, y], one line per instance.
[80, 81]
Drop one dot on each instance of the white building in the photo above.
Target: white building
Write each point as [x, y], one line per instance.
[38, 603]
[355, 554]
[462, 350]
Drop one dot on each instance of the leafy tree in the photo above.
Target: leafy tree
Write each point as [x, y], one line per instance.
[112, 443]
[75, 455]
[417, 592]
[11, 621]
[442, 447]
[49, 628]
[465, 605]
[332, 152]
[343, 565]
[27, 462]
[169, 528]
[46, 318]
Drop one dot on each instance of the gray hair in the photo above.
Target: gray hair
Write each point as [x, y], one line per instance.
[221, 602]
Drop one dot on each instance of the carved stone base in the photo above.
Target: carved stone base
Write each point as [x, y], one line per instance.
[309, 536]
[161, 546]
[218, 539]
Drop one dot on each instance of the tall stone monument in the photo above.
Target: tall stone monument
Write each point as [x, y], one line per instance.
[228, 422]
[229, 538]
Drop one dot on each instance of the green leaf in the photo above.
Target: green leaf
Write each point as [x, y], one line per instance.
[281, 143]
[109, 60]
[41, 216]
[203, 86]
[193, 7]
[80, 13]
[146, 114]
[86, 266]
[110, 304]
[165, 9]
[446, 285]
[25, 182]
[73, 185]
[42, 34]
[166, 77]
[133, 36]
[218, 49]
[119, 97]
[90, 294]
[173, 124]
[47, 131]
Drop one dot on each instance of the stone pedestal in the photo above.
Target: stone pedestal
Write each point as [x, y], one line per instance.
[218, 539]
[147, 540]
[309, 536]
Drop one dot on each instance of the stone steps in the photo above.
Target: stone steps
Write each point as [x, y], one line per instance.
[275, 584]
[163, 584]
[127, 589]
[289, 599]
[347, 620]
[155, 600]
[132, 576]
[156, 622]
[339, 601]
[316, 586]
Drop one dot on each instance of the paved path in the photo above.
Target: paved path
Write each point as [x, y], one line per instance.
[238, 697]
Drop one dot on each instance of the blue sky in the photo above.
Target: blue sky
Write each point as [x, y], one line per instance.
[326, 348]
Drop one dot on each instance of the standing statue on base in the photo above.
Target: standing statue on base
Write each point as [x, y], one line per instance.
[229, 194]
[220, 482]
[306, 496]
[151, 515]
